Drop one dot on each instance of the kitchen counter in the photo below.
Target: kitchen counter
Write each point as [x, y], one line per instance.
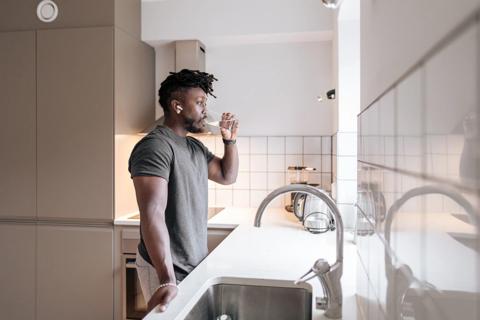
[279, 250]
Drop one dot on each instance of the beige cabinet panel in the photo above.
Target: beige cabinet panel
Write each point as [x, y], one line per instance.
[18, 15]
[22, 15]
[134, 84]
[17, 124]
[17, 274]
[128, 16]
[74, 273]
[75, 123]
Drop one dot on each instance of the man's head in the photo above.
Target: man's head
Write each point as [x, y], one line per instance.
[183, 97]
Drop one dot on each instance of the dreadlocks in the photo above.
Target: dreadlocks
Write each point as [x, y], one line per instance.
[178, 82]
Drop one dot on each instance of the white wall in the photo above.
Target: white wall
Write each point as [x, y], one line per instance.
[347, 46]
[396, 34]
[273, 87]
[208, 20]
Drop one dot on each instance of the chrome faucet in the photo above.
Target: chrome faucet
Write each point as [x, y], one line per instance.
[329, 275]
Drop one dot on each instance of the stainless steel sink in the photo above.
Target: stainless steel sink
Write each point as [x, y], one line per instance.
[248, 302]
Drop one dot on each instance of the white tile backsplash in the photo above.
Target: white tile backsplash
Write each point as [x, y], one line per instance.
[244, 162]
[275, 180]
[326, 163]
[294, 145]
[256, 197]
[243, 181]
[276, 145]
[312, 145]
[224, 198]
[263, 163]
[241, 198]
[327, 145]
[293, 160]
[258, 145]
[276, 163]
[258, 163]
[243, 145]
[258, 180]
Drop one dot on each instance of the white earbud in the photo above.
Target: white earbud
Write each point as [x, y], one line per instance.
[179, 109]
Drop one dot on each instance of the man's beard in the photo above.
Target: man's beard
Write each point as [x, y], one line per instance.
[193, 126]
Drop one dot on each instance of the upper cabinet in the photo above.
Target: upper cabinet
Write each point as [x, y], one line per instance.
[75, 123]
[66, 88]
[17, 124]
[22, 15]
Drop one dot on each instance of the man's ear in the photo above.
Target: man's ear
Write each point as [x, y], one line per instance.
[176, 106]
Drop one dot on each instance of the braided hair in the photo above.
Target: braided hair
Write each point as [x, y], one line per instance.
[177, 83]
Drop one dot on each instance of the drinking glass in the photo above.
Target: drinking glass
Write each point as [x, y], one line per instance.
[214, 119]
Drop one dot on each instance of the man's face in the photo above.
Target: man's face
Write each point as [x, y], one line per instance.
[194, 110]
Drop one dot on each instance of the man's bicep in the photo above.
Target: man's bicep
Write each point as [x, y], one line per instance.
[152, 194]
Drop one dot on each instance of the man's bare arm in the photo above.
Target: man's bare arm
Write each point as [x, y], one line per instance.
[225, 170]
[152, 194]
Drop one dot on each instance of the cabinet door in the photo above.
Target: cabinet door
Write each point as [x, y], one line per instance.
[75, 123]
[17, 273]
[22, 15]
[74, 273]
[17, 124]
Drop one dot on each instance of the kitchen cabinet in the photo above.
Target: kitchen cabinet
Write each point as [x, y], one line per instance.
[75, 123]
[71, 14]
[17, 274]
[17, 124]
[74, 273]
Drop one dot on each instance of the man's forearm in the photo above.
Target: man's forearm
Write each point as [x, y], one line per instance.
[230, 163]
[156, 238]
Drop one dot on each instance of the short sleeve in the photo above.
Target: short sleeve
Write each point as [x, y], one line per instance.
[151, 157]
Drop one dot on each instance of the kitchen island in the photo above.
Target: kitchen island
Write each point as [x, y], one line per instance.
[279, 250]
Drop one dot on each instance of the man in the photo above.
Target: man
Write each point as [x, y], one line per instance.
[170, 171]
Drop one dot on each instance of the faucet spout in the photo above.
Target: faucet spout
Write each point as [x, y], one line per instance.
[329, 276]
[314, 192]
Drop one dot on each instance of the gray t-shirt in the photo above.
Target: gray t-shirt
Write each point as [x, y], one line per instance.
[183, 162]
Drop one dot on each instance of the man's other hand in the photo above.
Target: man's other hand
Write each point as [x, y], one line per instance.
[162, 298]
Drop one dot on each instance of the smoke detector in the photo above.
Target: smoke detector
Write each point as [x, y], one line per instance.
[332, 4]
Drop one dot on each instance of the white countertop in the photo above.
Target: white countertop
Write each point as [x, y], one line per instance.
[279, 250]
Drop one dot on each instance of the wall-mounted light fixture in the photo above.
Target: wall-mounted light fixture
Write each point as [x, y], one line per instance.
[331, 94]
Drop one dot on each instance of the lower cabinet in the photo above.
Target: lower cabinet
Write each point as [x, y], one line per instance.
[17, 271]
[74, 273]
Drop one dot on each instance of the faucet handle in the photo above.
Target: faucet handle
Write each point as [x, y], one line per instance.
[303, 279]
[320, 267]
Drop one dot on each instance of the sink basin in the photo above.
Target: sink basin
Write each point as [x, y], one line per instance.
[249, 301]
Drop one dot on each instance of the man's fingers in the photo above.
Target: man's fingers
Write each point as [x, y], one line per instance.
[162, 298]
